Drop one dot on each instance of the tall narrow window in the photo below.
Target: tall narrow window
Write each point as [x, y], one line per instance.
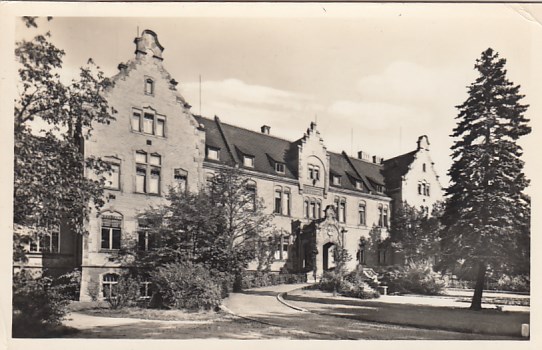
[419, 188]
[136, 121]
[380, 215]
[313, 210]
[111, 232]
[362, 213]
[252, 199]
[141, 179]
[278, 201]
[318, 209]
[112, 178]
[385, 217]
[149, 86]
[287, 204]
[154, 183]
[423, 167]
[160, 125]
[427, 190]
[148, 121]
[306, 208]
[342, 211]
[180, 178]
[144, 241]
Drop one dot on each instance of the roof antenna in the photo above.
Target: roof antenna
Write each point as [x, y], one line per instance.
[200, 95]
[352, 142]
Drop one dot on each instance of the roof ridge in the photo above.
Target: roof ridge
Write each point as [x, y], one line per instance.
[401, 155]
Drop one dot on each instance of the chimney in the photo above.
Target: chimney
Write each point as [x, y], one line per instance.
[374, 159]
[266, 129]
[360, 155]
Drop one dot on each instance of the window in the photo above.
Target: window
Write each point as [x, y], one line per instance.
[148, 122]
[281, 252]
[145, 289]
[112, 178]
[379, 188]
[45, 242]
[180, 179]
[287, 210]
[314, 172]
[336, 180]
[136, 121]
[251, 189]
[213, 153]
[419, 188]
[359, 185]
[382, 216]
[144, 237]
[362, 214]
[423, 167]
[278, 201]
[340, 205]
[149, 86]
[279, 168]
[312, 208]
[248, 161]
[111, 232]
[148, 170]
[427, 190]
[109, 285]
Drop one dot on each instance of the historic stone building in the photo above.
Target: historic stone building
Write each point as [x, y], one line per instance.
[319, 198]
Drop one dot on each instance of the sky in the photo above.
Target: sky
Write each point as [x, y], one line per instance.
[374, 77]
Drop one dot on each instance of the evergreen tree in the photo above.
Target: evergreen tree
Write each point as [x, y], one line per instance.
[487, 216]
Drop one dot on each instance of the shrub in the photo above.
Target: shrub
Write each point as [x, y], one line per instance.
[519, 283]
[124, 293]
[350, 285]
[414, 278]
[187, 286]
[68, 284]
[255, 279]
[93, 290]
[36, 303]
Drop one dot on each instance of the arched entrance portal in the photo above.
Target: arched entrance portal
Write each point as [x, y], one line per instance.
[327, 255]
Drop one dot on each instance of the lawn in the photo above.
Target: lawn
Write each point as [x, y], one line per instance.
[429, 317]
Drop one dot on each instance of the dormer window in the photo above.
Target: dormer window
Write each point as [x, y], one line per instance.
[279, 168]
[336, 180]
[379, 188]
[359, 185]
[248, 161]
[213, 153]
[149, 86]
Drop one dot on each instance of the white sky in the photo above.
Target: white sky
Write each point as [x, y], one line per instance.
[385, 74]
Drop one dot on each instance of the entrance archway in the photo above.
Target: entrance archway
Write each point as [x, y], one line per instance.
[327, 255]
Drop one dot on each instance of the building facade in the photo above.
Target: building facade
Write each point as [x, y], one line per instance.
[319, 198]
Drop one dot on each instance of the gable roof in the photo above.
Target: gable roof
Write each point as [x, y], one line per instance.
[235, 142]
[395, 168]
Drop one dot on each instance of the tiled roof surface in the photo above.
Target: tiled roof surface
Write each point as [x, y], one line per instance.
[267, 150]
[395, 168]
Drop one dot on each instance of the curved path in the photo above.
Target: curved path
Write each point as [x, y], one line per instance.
[262, 305]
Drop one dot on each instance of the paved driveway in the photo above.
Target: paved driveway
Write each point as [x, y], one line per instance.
[262, 305]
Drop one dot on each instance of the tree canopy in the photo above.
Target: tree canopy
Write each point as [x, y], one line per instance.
[487, 214]
[51, 180]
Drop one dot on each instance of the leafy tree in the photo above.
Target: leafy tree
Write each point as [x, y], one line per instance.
[220, 228]
[415, 234]
[50, 184]
[487, 216]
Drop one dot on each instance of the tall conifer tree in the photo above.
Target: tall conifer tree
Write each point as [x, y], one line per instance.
[487, 215]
